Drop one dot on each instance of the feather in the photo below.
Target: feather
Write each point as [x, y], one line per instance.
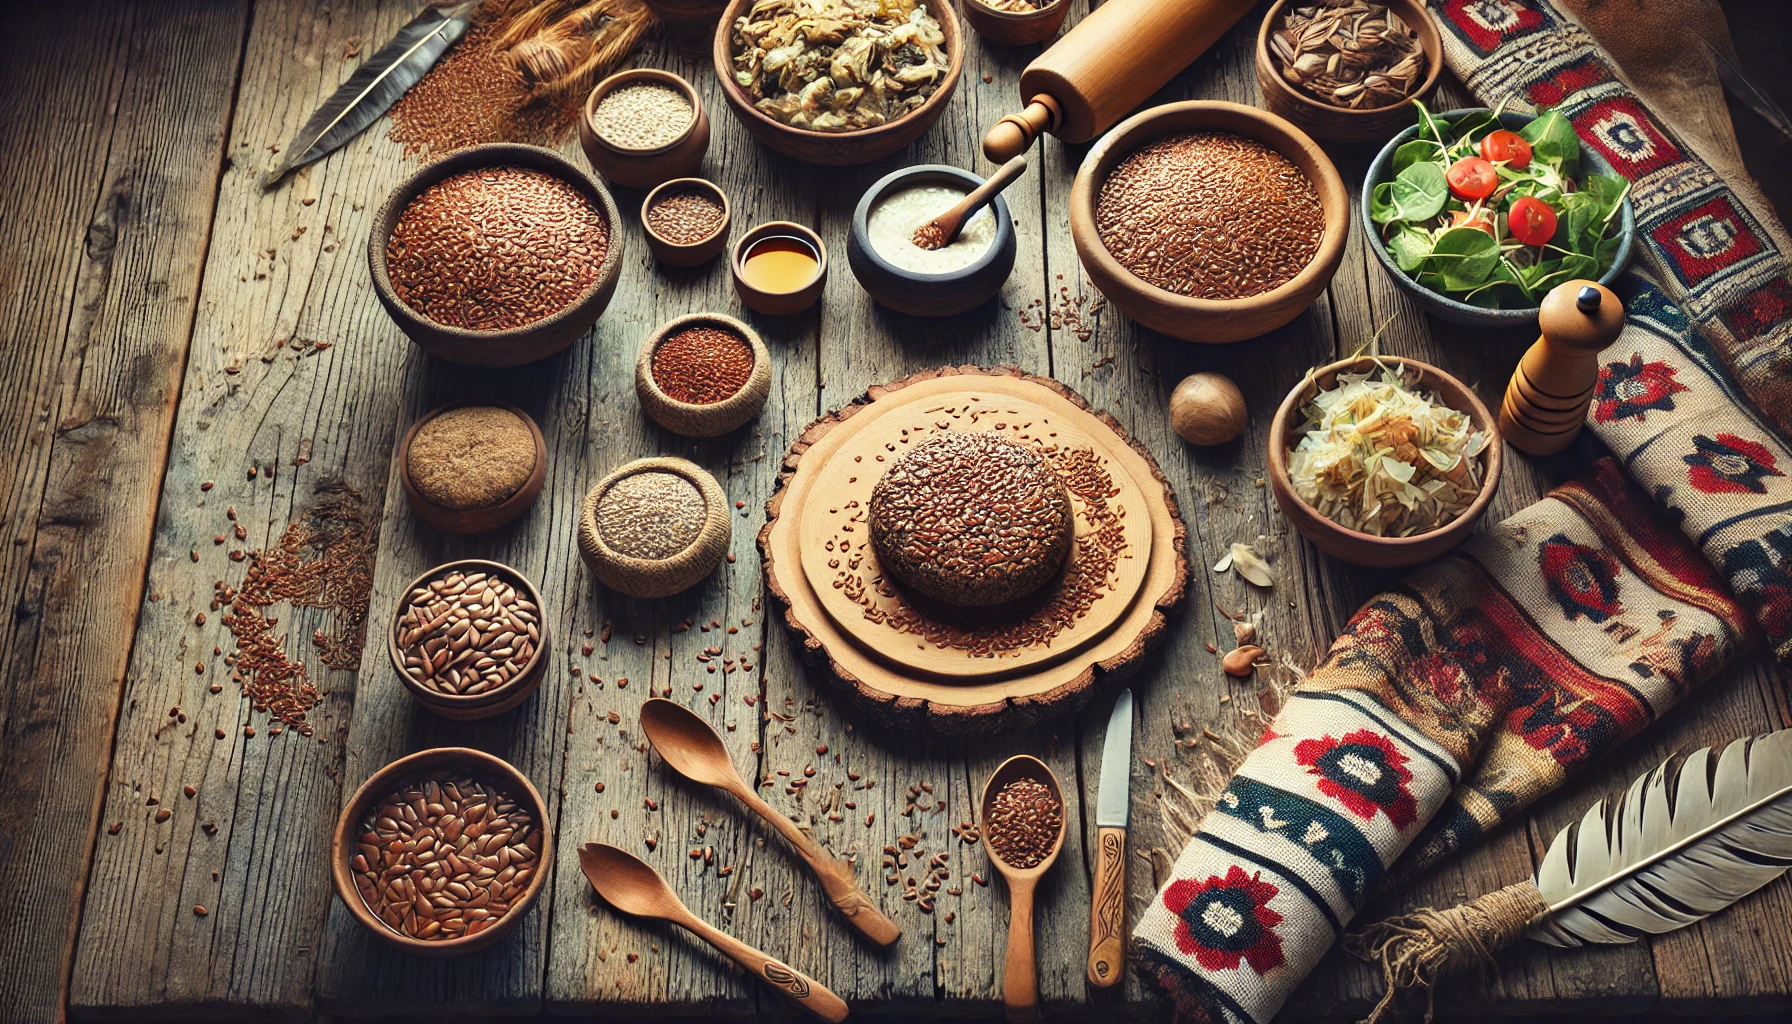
[375, 86]
[1683, 842]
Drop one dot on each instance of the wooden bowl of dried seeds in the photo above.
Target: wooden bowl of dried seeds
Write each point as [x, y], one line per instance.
[1347, 71]
[424, 813]
[655, 527]
[470, 467]
[703, 375]
[1015, 22]
[496, 255]
[469, 639]
[1226, 254]
[644, 126]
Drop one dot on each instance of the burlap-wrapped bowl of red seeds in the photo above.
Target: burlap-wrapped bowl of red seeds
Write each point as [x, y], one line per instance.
[496, 255]
[703, 374]
[1209, 221]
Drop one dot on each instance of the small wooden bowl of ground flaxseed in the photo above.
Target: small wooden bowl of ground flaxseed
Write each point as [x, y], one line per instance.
[470, 468]
[703, 375]
[442, 852]
[655, 527]
[644, 126]
[469, 639]
[686, 221]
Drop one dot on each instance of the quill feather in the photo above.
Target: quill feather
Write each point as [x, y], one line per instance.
[1677, 847]
[375, 86]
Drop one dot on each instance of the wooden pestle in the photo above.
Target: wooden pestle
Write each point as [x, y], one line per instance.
[1112, 61]
[1546, 401]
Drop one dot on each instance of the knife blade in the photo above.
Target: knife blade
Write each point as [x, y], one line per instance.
[1113, 798]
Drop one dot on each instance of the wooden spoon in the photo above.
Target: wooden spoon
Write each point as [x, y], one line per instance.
[940, 231]
[692, 748]
[1020, 979]
[632, 886]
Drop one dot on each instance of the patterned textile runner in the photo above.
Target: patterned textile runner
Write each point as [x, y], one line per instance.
[1458, 698]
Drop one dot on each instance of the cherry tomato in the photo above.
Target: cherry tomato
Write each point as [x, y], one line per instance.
[1472, 178]
[1531, 221]
[1507, 146]
[1461, 219]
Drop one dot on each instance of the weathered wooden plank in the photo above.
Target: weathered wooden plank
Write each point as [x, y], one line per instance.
[285, 270]
[114, 119]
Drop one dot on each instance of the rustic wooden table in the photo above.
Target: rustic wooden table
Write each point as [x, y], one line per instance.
[164, 322]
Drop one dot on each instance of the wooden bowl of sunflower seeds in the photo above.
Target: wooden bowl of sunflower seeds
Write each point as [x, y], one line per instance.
[469, 639]
[1348, 70]
[408, 828]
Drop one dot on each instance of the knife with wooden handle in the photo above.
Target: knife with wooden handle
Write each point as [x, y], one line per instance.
[1107, 913]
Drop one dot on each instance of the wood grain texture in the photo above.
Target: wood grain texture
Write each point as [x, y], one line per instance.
[260, 391]
[113, 118]
[100, 308]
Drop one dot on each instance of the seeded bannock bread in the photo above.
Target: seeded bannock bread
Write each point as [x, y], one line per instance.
[971, 519]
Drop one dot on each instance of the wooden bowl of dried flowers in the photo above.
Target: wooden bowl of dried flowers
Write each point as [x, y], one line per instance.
[1015, 22]
[1370, 90]
[829, 147]
[1456, 417]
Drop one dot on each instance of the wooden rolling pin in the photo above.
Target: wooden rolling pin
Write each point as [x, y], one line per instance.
[1546, 400]
[1112, 61]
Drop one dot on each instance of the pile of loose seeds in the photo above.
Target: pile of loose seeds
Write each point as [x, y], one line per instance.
[467, 633]
[445, 856]
[496, 248]
[475, 95]
[1210, 215]
[325, 561]
[475, 456]
[642, 115]
[685, 217]
[1023, 822]
[1349, 53]
[971, 519]
[651, 515]
[702, 365]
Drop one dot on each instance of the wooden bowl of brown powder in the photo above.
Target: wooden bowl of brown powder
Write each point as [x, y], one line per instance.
[703, 375]
[1209, 221]
[471, 468]
[496, 255]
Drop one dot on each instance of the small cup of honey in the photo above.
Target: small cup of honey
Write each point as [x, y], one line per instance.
[779, 268]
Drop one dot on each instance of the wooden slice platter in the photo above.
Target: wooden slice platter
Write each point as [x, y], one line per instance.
[842, 569]
[895, 685]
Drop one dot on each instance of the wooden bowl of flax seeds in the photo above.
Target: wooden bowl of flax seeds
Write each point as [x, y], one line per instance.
[474, 827]
[1209, 221]
[703, 375]
[469, 639]
[471, 467]
[655, 527]
[496, 255]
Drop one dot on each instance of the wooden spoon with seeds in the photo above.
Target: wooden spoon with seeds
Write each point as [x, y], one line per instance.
[693, 749]
[940, 231]
[632, 886]
[1020, 979]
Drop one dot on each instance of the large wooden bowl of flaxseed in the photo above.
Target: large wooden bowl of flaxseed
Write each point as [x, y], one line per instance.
[1252, 262]
[535, 286]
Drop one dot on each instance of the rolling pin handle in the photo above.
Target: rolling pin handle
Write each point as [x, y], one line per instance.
[1010, 137]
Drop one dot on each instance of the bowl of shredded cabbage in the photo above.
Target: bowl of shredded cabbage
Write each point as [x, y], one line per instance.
[1383, 461]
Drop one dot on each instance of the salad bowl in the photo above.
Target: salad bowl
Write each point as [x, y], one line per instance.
[1455, 310]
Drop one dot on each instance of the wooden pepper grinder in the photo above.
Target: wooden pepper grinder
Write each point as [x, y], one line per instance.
[1546, 402]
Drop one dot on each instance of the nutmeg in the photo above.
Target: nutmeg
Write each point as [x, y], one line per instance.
[1241, 661]
[1207, 408]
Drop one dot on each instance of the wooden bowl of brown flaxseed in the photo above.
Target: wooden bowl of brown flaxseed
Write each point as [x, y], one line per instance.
[1209, 221]
[469, 639]
[496, 255]
[471, 823]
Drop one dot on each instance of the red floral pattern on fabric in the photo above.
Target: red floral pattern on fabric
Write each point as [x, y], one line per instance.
[1634, 389]
[1365, 772]
[1223, 922]
[1730, 465]
[1582, 579]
